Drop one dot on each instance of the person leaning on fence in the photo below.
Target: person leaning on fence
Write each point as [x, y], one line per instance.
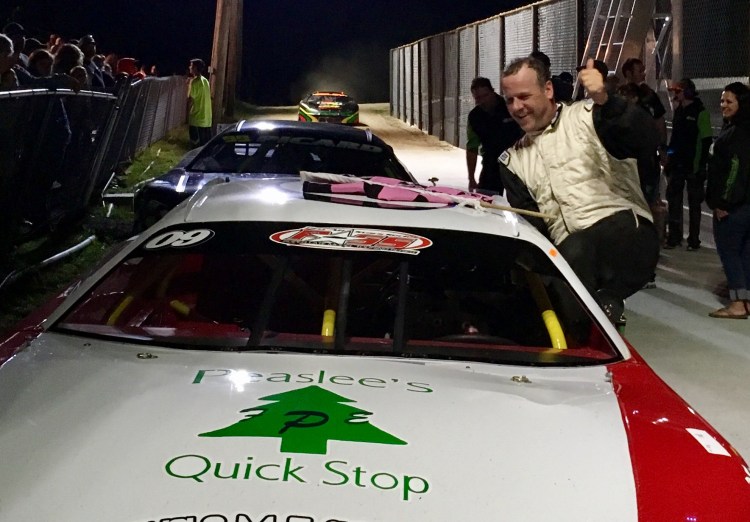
[81, 75]
[67, 57]
[40, 63]
[12, 77]
[728, 195]
[577, 163]
[489, 131]
[31, 45]
[8, 79]
[17, 34]
[98, 80]
[128, 68]
[199, 104]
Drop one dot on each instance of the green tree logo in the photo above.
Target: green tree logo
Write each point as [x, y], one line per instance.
[305, 420]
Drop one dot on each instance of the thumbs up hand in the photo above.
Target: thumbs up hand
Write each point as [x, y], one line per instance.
[591, 80]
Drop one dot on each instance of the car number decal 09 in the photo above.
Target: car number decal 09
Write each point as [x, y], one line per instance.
[179, 238]
[340, 238]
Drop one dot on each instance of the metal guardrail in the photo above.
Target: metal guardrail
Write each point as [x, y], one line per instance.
[59, 149]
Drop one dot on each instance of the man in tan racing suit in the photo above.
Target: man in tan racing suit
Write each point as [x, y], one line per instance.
[577, 164]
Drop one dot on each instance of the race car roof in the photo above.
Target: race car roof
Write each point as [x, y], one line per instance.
[282, 200]
[299, 128]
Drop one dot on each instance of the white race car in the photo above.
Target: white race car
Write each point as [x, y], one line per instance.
[293, 351]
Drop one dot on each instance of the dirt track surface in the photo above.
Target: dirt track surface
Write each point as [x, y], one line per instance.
[424, 155]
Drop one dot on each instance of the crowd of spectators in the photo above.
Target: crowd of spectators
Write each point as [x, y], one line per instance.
[54, 62]
[57, 136]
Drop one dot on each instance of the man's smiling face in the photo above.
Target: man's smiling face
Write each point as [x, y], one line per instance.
[531, 104]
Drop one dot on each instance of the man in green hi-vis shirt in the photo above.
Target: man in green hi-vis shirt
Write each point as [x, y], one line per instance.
[199, 104]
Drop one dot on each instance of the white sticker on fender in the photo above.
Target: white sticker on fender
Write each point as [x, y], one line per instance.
[709, 443]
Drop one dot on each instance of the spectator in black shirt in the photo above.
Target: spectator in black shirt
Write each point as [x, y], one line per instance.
[8, 78]
[634, 72]
[562, 85]
[17, 34]
[489, 132]
[40, 63]
[99, 81]
[686, 162]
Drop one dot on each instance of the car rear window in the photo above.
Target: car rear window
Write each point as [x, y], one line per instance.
[329, 98]
[366, 291]
[259, 153]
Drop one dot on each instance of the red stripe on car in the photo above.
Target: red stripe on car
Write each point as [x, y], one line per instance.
[676, 477]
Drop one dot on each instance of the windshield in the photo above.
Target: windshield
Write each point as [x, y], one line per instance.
[335, 99]
[254, 152]
[366, 291]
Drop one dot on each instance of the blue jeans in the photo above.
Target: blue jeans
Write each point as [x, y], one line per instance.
[732, 235]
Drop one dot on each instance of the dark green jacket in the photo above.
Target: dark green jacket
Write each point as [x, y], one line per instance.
[691, 137]
[728, 178]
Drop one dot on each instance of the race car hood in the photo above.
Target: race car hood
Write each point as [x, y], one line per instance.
[179, 184]
[96, 430]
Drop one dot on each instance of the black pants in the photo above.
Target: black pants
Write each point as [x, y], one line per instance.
[199, 135]
[617, 255]
[677, 178]
[489, 178]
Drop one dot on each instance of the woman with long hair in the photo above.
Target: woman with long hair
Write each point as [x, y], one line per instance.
[728, 195]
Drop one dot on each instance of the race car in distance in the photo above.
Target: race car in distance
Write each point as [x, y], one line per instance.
[330, 107]
[291, 349]
[268, 149]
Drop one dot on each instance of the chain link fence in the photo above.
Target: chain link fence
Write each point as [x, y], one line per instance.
[714, 36]
[60, 149]
[715, 47]
[431, 78]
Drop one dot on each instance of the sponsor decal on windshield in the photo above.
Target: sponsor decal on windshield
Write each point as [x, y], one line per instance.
[341, 238]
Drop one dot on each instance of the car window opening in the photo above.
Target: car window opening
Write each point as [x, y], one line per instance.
[507, 304]
[254, 153]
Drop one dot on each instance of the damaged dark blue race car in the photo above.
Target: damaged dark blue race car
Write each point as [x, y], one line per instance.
[268, 149]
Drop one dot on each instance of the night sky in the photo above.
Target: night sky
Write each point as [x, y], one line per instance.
[290, 46]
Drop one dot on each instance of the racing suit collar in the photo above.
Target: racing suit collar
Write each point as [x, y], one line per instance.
[556, 117]
[552, 124]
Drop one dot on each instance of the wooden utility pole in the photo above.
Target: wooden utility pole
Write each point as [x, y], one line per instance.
[677, 48]
[219, 58]
[234, 56]
[226, 57]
